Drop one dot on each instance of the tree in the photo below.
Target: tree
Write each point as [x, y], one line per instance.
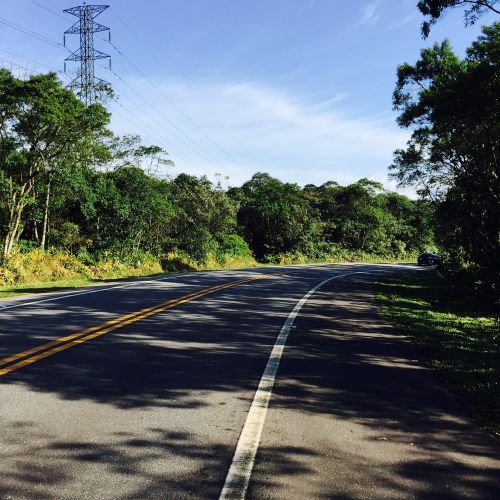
[452, 156]
[362, 218]
[43, 128]
[129, 210]
[129, 151]
[203, 216]
[275, 217]
[434, 9]
[323, 200]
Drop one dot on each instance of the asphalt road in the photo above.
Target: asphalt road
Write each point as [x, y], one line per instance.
[150, 397]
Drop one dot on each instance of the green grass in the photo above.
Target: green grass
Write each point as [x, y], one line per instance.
[47, 286]
[458, 335]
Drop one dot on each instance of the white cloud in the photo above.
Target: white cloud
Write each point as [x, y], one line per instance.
[340, 96]
[369, 15]
[267, 129]
[403, 22]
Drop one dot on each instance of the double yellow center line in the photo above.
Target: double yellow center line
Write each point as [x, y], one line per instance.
[24, 358]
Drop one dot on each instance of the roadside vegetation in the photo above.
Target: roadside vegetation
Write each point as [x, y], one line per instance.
[451, 106]
[459, 336]
[79, 203]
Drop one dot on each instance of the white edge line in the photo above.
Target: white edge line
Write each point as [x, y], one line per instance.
[97, 290]
[238, 477]
[69, 295]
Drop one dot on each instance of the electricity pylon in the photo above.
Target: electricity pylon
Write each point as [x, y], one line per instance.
[86, 85]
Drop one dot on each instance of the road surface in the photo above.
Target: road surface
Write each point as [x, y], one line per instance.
[147, 389]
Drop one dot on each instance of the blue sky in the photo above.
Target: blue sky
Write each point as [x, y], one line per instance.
[297, 88]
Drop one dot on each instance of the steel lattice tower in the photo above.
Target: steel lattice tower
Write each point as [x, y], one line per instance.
[86, 85]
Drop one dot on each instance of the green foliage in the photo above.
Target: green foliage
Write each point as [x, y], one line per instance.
[95, 205]
[233, 245]
[434, 9]
[452, 157]
[203, 216]
[274, 216]
[364, 218]
[45, 130]
[130, 210]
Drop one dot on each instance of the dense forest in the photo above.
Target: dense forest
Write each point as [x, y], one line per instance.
[68, 185]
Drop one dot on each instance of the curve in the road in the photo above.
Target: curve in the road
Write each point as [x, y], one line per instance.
[238, 477]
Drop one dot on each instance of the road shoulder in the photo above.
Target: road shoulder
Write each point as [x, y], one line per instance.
[355, 411]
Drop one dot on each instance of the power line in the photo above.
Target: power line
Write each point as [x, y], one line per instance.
[21, 57]
[31, 33]
[161, 125]
[206, 154]
[27, 60]
[179, 110]
[162, 65]
[26, 71]
[48, 9]
[187, 157]
[153, 131]
[33, 63]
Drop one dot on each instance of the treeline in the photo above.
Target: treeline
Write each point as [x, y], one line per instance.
[278, 218]
[68, 185]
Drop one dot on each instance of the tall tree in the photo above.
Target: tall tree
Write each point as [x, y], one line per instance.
[43, 127]
[453, 107]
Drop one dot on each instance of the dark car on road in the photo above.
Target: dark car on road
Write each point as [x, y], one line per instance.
[429, 259]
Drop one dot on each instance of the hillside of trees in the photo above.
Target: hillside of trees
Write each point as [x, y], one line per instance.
[69, 186]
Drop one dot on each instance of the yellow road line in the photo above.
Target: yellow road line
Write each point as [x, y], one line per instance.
[43, 347]
[77, 338]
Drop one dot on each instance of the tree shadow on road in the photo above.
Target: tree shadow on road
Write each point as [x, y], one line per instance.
[127, 465]
[342, 363]
[411, 438]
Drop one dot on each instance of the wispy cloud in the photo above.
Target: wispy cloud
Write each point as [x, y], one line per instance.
[339, 97]
[369, 15]
[406, 20]
[268, 129]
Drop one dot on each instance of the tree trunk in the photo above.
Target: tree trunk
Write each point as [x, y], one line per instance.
[17, 204]
[45, 228]
[13, 229]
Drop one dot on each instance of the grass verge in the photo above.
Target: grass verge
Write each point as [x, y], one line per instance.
[44, 286]
[459, 337]
[41, 271]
